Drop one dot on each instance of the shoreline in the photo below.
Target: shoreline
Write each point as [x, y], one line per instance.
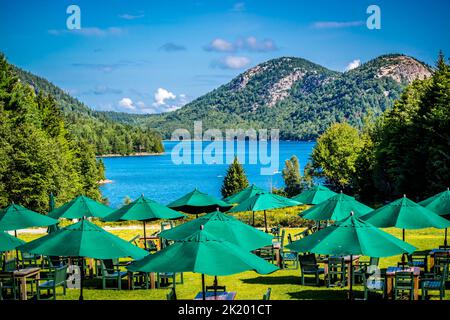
[137, 154]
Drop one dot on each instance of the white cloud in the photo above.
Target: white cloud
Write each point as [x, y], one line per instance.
[220, 45]
[127, 103]
[251, 44]
[127, 16]
[161, 95]
[336, 24]
[239, 7]
[352, 65]
[232, 62]
[89, 32]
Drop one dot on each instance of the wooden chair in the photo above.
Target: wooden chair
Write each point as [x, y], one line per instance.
[8, 283]
[404, 283]
[139, 280]
[164, 277]
[109, 270]
[309, 267]
[361, 269]
[337, 272]
[29, 259]
[289, 259]
[267, 253]
[266, 295]
[54, 279]
[373, 283]
[418, 259]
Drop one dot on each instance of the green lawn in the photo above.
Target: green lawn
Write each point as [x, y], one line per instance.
[285, 284]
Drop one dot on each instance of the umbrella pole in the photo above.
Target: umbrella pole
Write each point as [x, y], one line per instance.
[203, 287]
[403, 255]
[81, 279]
[215, 286]
[445, 239]
[253, 220]
[350, 294]
[17, 252]
[265, 221]
[145, 237]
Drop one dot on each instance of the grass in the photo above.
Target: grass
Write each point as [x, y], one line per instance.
[285, 284]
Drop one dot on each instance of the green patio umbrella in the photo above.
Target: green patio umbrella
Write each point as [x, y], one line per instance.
[86, 240]
[352, 236]
[244, 194]
[263, 202]
[314, 195]
[8, 242]
[439, 203]
[143, 209]
[222, 226]
[203, 253]
[335, 208]
[15, 217]
[196, 202]
[80, 207]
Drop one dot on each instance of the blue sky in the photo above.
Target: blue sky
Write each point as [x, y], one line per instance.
[154, 56]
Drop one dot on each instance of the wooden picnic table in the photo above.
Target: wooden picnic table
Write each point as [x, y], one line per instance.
[217, 296]
[390, 276]
[348, 265]
[22, 275]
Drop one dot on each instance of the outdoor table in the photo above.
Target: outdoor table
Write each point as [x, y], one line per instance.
[217, 296]
[22, 275]
[390, 275]
[432, 254]
[276, 250]
[348, 265]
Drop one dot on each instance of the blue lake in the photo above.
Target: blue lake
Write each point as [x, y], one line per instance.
[160, 179]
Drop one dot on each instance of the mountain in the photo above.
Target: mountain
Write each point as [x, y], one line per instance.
[108, 132]
[297, 96]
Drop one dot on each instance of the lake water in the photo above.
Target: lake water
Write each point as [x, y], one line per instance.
[163, 181]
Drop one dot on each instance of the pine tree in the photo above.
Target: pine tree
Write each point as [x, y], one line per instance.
[235, 179]
[291, 177]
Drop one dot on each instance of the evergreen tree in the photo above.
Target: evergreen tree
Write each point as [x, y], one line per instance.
[291, 177]
[235, 180]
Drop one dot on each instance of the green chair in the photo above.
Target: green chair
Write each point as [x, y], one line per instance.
[289, 259]
[418, 259]
[109, 270]
[267, 253]
[164, 277]
[151, 246]
[309, 267]
[29, 259]
[9, 283]
[434, 281]
[10, 265]
[54, 279]
[362, 267]
[139, 280]
[337, 272]
[404, 285]
[373, 283]
[266, 295]
[172, 295]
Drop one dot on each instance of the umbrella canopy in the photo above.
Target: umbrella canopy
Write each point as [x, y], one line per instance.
[224, 227]
[16, 217]
[81, 207]
[352, 236]
[405, 214]
[8, 242]
[196, 202]
[83, 239]
[439, 203]
[244, 194]
[143, 209]
[203, 253]
[263, 202]
[336, 208]
[315, 195]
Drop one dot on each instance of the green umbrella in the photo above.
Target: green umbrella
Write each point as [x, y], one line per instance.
[439, 203]
[315, 195]
[143, 209]
[80, 207]
[8, 242]
[196, 202]
[335, 208]
[263, 202]
[83, 239]
[203, 253]
[244, 194]
[16, 217]
[352, 236]
[224, 227]
[51, 207]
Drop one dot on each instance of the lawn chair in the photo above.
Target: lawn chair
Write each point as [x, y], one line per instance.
[139, 280]
[266, 295]
[418, 259]
[9, 283]
[151, 246]
[164, 277]
[434, 281]
[404, 285]
[289, 259]
[267, 253]
[309, 267]
[337, 272]
[109, 270]
[361, 268]
[172, 295]
[373, 283]
[29, 259]
[54, 279]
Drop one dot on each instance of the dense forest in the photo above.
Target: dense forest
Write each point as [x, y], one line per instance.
[38, 153]
[405, 151]
[301, 98]
[100, 129]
